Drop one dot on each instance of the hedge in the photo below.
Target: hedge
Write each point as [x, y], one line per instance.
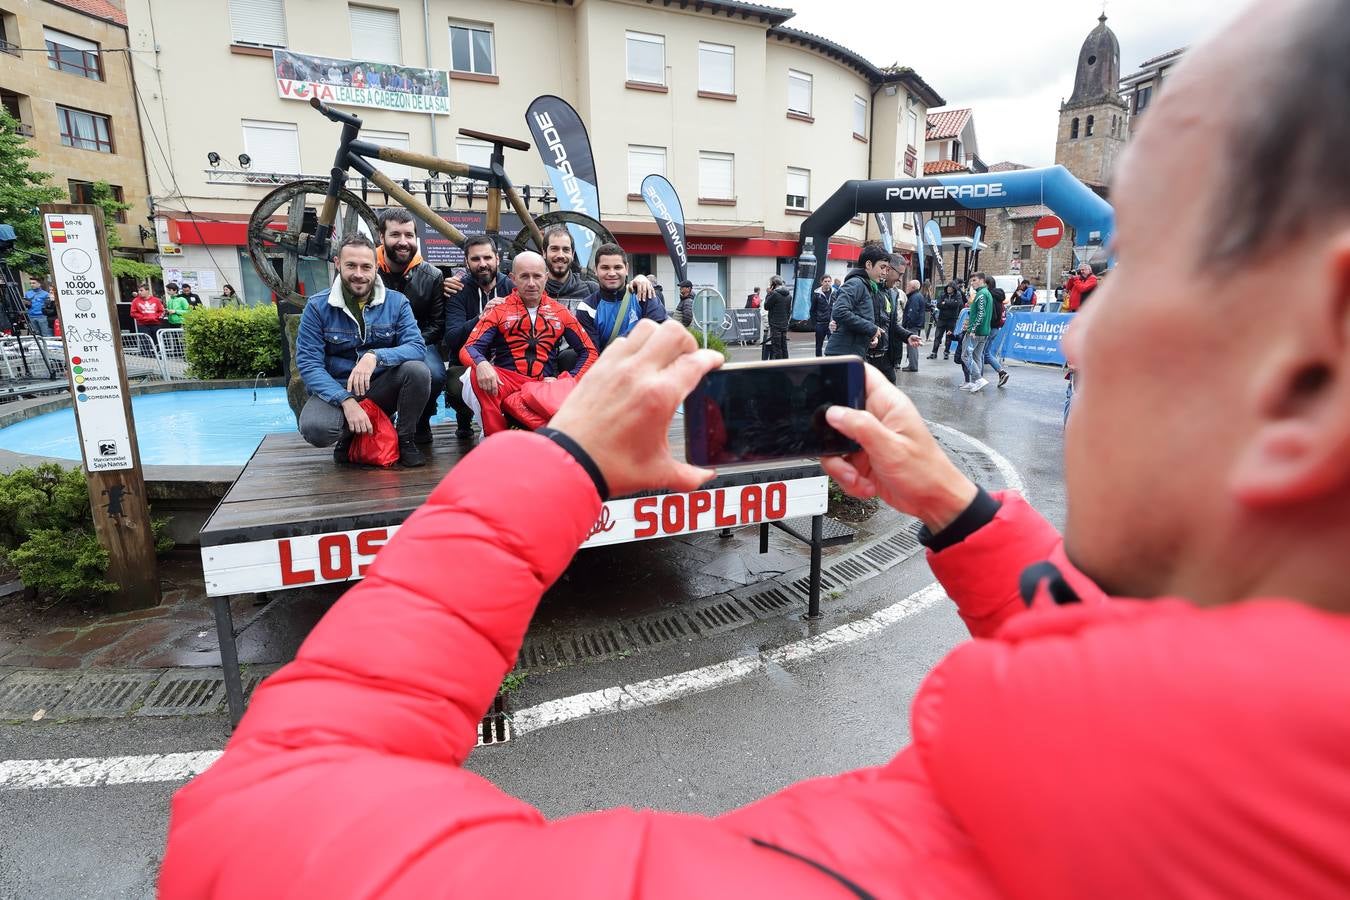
[232, 342]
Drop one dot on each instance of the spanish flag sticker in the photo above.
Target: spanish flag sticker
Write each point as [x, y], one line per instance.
[58, 230]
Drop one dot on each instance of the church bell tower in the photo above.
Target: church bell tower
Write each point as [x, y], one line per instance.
[1094, 121]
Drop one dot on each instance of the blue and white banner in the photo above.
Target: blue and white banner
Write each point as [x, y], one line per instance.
[1029, 336]
[560, 136]
[666, 209]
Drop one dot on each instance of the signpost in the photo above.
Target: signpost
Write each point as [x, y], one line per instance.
[1047, 233]
[83, 284]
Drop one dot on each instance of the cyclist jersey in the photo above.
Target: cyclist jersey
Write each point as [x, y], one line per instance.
[512, 337]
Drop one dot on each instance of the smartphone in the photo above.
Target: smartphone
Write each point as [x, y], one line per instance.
[764, 411]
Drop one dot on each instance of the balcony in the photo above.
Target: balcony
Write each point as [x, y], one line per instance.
[10, 47]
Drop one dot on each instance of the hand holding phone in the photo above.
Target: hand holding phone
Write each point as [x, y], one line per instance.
[764, 411]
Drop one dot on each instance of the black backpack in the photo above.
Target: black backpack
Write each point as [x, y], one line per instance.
[999, 296]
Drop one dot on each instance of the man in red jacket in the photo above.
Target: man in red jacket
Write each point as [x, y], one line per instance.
[147, 311]
[1078, 286]
[1081, 745]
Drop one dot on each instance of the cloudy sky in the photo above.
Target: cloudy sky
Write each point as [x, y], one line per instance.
[1011, 60]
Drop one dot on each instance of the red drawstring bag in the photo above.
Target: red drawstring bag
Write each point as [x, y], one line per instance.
[539, 401]
[380, 447]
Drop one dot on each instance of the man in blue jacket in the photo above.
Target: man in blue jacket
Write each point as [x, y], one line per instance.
[37, 298]
[360, 339]
[612, 311]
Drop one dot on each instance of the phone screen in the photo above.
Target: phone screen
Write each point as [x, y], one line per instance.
[756, 412]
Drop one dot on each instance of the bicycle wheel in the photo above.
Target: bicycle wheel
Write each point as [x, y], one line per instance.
[276, 252]
[524, 241]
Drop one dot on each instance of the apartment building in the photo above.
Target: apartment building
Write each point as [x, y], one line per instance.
[754, 122]
[65, 76]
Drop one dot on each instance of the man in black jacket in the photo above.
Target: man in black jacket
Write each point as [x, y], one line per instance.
[778, 308]
[485, 288]
[916, 309]
[402, 269]
[948, 311]
[821, 300]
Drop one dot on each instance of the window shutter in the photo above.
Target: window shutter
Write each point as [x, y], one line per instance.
[375, 35]
[273, 147]
[860, 116]
[260, 22]
[716, 176]
[717, 68]
[398, 140]
[61, 39]
[799, 92]
[644, 161]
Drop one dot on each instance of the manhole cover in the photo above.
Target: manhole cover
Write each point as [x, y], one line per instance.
[24, 693]
[104, 694]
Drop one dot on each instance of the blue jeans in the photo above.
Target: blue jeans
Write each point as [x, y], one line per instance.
[437, 369]
[38, 325]
[989, 357]
[972, 355]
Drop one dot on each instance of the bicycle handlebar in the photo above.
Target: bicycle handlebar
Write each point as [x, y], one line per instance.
[333, 114]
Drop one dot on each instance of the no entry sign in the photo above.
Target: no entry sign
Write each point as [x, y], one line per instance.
[1047, 232]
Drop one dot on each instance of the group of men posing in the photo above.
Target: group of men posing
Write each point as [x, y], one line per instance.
[393, 330]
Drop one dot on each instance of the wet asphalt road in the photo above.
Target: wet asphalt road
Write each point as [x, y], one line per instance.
[705, 752]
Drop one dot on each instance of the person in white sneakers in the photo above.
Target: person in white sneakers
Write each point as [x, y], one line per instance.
[977, 334]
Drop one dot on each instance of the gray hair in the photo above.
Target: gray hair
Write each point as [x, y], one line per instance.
[1286, 167]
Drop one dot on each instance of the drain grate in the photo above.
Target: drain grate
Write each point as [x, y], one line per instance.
[768, 602]
[595, 644]
[495, 728]
[657, 630]
[105, 694]
[719, 616]
[851, 570]
[24, 693]
[185, 692]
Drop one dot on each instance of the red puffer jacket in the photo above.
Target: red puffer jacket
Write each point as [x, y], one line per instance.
[1106, 749]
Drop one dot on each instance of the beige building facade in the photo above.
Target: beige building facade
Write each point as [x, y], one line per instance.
[754, 123]
[64, 75]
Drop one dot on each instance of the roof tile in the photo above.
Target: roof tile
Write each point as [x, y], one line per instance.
[947, 124]
[99, 9]
[944, 167]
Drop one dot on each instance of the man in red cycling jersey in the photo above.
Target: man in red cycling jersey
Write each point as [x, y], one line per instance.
[517, 341]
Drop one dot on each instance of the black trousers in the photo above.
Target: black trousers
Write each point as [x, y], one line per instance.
[822, 335]
[883, 364]
[401, 392]
[942, 331]
[778, 343]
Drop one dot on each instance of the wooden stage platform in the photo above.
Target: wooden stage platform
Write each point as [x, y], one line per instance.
[295, 519]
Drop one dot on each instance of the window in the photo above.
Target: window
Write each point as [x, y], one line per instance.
[395, 139]
[1088, 130]
[912, 129]
[1026, 252]
[957, 153]
[644, 161]
[375, 34]
[10, 101]
[68, 53]
[9, 34]
[646, 57]
[274, 147]
[473, 152]
[261, 23]
[84, 130]
[1073, 129]
[716, 175]
[716, 68]
[1142, 95]
[83, 192]
[860, 117]
[799, 92]
[798, 188]
[471, 49]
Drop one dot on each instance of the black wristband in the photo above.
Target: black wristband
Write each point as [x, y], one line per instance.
[581, 456]
[978, 514]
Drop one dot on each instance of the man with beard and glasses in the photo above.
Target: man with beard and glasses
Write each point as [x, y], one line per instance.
[485, 288]
[402, 269]
[360, 339]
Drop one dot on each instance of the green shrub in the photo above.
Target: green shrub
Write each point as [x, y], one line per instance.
[47, 533]
[232, 342]
[714, 342]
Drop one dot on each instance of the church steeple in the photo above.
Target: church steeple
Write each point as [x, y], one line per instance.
[1098, 75]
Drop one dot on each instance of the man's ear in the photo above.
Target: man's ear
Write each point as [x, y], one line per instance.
[1300, 450]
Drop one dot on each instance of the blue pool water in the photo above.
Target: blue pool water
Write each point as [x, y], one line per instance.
[184, 428]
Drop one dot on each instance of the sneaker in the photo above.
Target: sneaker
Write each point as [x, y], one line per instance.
[409, 457]
[932, 356]
[1003, 378]
[966, 387]
[340, 450]
[979, 385]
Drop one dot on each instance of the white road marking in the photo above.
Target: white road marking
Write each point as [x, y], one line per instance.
[94, 771]
[668, 687]
[18, 774]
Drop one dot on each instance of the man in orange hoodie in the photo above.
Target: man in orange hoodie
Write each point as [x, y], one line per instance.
[1152, 706]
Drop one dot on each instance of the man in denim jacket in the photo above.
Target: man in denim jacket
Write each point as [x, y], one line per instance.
[357, 340]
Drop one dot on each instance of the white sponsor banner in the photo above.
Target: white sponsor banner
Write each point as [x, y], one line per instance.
[280, 564]
[92, 353]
